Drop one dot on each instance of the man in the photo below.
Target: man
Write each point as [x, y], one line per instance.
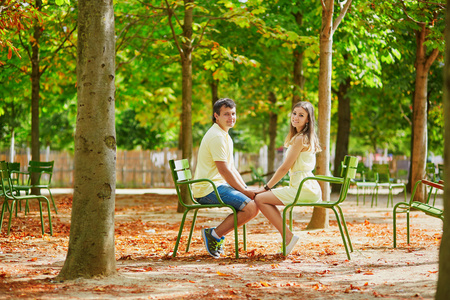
[215, 161]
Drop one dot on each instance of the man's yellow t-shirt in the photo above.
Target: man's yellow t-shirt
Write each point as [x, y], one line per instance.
[216, 145]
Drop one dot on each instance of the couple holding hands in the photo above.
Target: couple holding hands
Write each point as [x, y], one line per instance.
[215, 161]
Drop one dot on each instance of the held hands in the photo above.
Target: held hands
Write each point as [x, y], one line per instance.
[249, 193]
[252, 192]
[260, 190]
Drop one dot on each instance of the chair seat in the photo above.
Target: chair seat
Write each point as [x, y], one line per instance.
[428, 209]
[366, 184]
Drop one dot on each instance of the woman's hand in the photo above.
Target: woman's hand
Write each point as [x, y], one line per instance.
[260, 190]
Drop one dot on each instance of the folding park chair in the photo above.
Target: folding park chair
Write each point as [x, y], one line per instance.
[385, 180]
[43, 172]
[348, 173]
[8, 194]
[406, 207]
[182, 175]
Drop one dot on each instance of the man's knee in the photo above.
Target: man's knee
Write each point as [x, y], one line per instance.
[252, 209]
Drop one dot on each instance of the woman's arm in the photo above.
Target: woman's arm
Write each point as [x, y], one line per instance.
[291, 157]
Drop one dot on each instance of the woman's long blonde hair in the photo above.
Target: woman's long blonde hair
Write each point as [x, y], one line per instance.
[311, 140]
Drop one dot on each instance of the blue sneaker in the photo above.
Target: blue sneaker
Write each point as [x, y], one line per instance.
[220, 248]
[211, 243]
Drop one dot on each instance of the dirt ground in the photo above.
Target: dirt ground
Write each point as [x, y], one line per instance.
[146, 230]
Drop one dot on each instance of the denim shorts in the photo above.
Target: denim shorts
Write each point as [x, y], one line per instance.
[228, 195]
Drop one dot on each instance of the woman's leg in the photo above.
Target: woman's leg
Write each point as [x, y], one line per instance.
[267, 203]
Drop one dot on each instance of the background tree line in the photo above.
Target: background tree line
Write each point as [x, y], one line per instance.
[263, 54]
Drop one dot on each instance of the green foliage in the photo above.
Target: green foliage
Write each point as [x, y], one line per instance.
[131, 134]
[246, 47]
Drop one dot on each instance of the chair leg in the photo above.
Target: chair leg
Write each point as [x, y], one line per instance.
[344, 239]
[194, 220]
[345, 228]
[394, 224]
[407, 227]
[236, 237]
[375, 196]
[357, 196]
[283, 244]
[10, 216]
[244, 236]
[291, 218]
[180, 231]
[49, 217]
[42, 218]
[390, 197]
[364, 196]
[53, 201]
[4, 205]
[434, 199]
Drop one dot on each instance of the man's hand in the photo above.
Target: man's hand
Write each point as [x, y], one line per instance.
[249, 193]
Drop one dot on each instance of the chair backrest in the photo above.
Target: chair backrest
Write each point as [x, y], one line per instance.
[5, 180]
[382, 171]
[361, 171]
[14, 166]
[348, 172]
[44, 169]
[181, 174]
[431, 171]
[441, 171]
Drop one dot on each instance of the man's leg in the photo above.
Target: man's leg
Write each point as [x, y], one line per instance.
[243, 216]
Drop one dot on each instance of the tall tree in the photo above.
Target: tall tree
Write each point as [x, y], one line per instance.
[91, 243]
[319, 218]
[443, 288]
[424, 21]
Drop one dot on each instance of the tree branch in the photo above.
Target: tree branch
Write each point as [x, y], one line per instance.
[431, 58]
[345, 5]
[59, 48]
[169, 14]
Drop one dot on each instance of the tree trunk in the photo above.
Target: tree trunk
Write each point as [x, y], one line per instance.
[343, 131]
[443, 288]
[186, 69]
[299, 79]
[420, 137]
[91, 243]
[273, 120]
[35, 89]
[319, 218]
[214, 92]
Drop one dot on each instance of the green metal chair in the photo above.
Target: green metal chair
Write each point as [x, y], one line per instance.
[8, 194]
[434, 177]
[348, 173]
[182, 176]
[368, 181]
[406, 207]
[43, 172]
[385, 180]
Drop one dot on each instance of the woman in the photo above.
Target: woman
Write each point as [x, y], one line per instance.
[302, 144]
